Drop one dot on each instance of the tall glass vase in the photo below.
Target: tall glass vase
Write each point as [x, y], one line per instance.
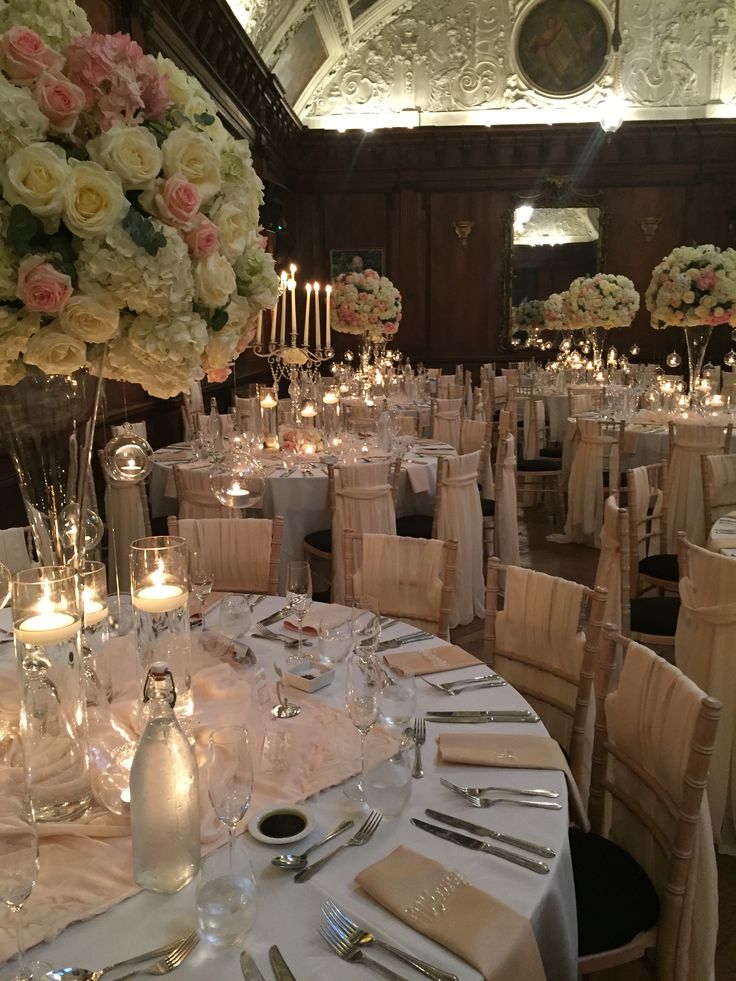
[597, 341]
[48, 424]
[697, 341]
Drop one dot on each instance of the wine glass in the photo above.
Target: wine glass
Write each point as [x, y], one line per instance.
[235, 616]
[366, 625]
[299, 598]
[201, 581]
[229, 776]
[363, 684]
[19, 870]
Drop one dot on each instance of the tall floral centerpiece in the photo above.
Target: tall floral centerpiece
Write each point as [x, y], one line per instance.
[694, 287]
[128, 242]
[527, 319]
[599, 303]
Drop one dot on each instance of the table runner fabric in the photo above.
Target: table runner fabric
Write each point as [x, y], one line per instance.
[431, 660]
[479, 928]
[86, 865]
[519, 752]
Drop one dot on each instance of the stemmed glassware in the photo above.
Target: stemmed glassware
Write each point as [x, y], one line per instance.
[229, 776]
[201, 580]
[366, 625]
[363, 683]
[299, 598]
[335, 636]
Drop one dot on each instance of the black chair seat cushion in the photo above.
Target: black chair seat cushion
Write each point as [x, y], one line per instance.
[488, 507]
[655, 615]
[622, 480]
[414, 526]
[614, 897]
[664, 566]
[321, 540]
[539, 465]
[553, 450]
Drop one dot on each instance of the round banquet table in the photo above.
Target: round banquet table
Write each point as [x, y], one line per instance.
[722, 536]
[288, 914]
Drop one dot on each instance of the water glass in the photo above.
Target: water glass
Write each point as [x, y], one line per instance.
[226, 895]
[235, 616]
[398, 700]
[335, 637]
[388, 783]
[363, 682]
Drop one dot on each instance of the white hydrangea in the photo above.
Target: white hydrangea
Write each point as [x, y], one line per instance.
[17, 326]
[163, 355]
[21, 121]
[11, 372]
[57, 21]
[221, 348]
[8, 257]
[693, 286]
[184, 87]
[256, 277]
[239, 179]
[156, 285]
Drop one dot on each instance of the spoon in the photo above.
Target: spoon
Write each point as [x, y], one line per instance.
[296, 862]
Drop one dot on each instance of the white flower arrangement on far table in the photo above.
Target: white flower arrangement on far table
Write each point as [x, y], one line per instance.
[693, 286]
[604, 300]
[366, 303]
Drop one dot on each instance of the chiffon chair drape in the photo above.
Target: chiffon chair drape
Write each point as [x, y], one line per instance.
[446, 421]
[475, 436]
[364, 503]
[460, 519]
[719, 487]
[684, 487]
[195, 496]
[535, 426]
[227, 419]
[138, 428]
[608, 572]
[192, 404]
[506, 523]
[14, 551]
[595, 450]
[128, 518]
[242, 555]
[705, 649]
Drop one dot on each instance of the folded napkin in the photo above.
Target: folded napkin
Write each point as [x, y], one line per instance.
[480, 929]
[518, 752]
[447, 657]
[310, 623]
[419, 475]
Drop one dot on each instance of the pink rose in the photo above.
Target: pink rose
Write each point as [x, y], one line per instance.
[218, 374]
[59, 100]
[41, 286]
[202, 238]
[245, 338]
[180, 199]
[24, 55]
[706, 278]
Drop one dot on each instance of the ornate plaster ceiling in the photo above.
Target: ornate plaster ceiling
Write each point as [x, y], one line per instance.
[379, 63]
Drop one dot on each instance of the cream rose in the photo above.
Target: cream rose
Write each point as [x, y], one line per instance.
[55, 352]
[131, 152]
[214, 281]
[11, 372]
[232, 220]
[90, 318]
[192, 155]
[35, 176]
[93, 199]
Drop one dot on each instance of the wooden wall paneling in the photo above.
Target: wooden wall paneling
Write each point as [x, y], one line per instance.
[410, 248]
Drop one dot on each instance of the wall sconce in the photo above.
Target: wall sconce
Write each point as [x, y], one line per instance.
[463, 230]
[649, 227]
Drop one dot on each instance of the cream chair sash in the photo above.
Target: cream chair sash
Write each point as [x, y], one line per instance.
[684, 488]
[446, 425]
[238, 553]
[608, 573]
[460, 518]
[506, 518]
[196, 499]
[723, 472]
[14, 550]
[404, 575]
[534, 428]
[472, 438]
[654, 724]
[705, 643]
[479, 410]
[585, 487]
[363, 503]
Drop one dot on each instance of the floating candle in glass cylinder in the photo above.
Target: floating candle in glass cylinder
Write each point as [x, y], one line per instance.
[96, 632]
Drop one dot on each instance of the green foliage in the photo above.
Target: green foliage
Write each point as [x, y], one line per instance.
[141, 230]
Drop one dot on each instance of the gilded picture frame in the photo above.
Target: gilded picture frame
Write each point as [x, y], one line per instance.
[355, 260]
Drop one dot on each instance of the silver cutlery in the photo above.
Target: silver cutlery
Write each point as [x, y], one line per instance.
[360, 937]
[479, 791]
[349, 952]
[481, 846]
[388, 645]
[458, 687]
[364, 833]
[480, 716]
[82, 974]
[477, 801]
[296, 862]
[170, 962]
[483, 832]
[420, 737]
[274, 617]
[249, 967]
[267, 634]
[278, 965]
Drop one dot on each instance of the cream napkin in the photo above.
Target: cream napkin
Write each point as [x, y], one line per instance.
[418, 476]
[476, 926]
[444, 658]
[310, 623]
[518, 752]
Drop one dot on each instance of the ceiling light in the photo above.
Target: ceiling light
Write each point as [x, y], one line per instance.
[614, 106]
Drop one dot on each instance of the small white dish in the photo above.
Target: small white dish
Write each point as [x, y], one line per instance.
[309, 677]
[281, 824]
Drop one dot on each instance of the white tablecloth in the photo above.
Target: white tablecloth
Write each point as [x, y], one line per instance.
[722, 536]
[288, 913]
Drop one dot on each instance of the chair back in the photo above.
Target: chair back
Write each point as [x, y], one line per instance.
[647, 516]
[537, 644]
[243, 555]
[612, 571]
[412, 578]
[598, 449]
[506, 517]
[458, 517]
[16, 549]
[719, 487]
[535, 424]
[476, 436]
[138, 428]
[248, 412]
[407, 425]
[192, 404]
[684, 488]
[446, 421]
[128, 518]
[195, 496]
[653, 742]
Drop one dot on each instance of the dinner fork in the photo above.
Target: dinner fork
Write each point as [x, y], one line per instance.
[420, 737]
[458, 687]
[479, 791]
[478, 801]
[173, 959]
[349, 952]
[364, 833]
[358, 937]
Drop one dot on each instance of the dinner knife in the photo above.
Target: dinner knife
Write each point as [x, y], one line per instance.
[275, 617]
[480, 719]
[478, 829]
[541, 868]
[249, 967]
[500, 713]
[279, 965]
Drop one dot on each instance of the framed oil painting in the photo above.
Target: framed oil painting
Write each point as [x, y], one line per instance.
[562, 46]
[355, 260]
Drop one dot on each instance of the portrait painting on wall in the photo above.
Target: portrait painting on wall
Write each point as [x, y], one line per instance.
[355, 260]
[562, 46]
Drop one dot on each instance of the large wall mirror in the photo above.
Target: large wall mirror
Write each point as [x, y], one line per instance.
[552, 236]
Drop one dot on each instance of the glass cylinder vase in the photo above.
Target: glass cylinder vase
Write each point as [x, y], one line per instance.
[159, 583]
[47, 622]
[697, 339]
[95, 632]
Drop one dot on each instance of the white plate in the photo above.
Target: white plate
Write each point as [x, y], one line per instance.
[257, 820]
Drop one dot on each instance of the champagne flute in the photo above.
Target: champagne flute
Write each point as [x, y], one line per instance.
[363, 683]
[299, 598]
[366, 625]
[229, 776]
[201, 581]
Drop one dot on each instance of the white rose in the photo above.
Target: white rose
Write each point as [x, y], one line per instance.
[11, 372]
[192, 155]
[233, 223]
[129, 151]
[21, 121]
[93, 199]
[34, 176]
[214, 281]
[90, 318]
[55, 352]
